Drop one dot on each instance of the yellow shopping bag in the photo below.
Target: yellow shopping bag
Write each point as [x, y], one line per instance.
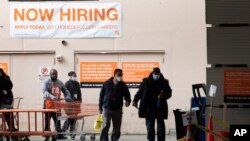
[98, 123]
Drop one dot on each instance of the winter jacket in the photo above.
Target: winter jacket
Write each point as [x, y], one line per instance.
[74, 89]
[6, 95]
[151, 104]
[111, 95]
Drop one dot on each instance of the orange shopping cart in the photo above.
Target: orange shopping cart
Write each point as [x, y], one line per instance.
[76, 111]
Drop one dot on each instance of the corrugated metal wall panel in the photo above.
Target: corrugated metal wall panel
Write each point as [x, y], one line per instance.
[228, 45]
[216, 76]
[227, 11]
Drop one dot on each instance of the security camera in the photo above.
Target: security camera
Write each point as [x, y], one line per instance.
[59, 58]
[64, 43]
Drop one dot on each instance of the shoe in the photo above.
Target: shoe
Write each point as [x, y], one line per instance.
[73, 137]
[61, 137]
[46, 139]
[14, 129]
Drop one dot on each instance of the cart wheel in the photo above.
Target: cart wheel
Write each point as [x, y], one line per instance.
[82, 138]
[92, 137]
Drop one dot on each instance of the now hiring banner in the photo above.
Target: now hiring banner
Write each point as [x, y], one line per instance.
[65, 20]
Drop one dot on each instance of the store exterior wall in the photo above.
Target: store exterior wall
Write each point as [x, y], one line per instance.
[175, 26]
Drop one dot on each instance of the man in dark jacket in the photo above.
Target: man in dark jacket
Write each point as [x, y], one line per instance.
[6, 97]
[153, 94]
[74, 88]
[113, 91]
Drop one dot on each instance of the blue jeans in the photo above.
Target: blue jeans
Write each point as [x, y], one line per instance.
[116, 117]
[150, 123]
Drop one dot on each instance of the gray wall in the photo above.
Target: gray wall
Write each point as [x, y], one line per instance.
[227, 46]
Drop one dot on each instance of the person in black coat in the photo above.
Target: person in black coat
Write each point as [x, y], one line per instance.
[76, 95]
[114, 91]
[6, 97]
[153, 94]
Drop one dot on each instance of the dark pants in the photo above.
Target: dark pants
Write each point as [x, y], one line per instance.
[9, 117]
[48, 116]
[150, 123]
[69, 123]
[116, 117]
[57, 123]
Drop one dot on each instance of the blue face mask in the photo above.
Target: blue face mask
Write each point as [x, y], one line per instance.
[156, 77]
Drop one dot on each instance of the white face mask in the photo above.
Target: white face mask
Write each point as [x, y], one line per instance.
[119, 78]
[156, 77]
[73, 78]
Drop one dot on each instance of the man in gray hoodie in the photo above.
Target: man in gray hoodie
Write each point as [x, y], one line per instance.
[52, 88]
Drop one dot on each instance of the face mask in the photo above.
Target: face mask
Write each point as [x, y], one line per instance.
[53, 79]
[119, 78]
[73, 78]
[156, 77]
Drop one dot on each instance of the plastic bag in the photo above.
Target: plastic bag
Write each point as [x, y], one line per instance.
[98, 123]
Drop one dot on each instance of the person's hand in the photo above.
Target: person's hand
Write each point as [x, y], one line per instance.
[1, 72]
[53, 97]
[161, 95]
[100, 112]
[127, 103]
[135, 104]
[68, 98]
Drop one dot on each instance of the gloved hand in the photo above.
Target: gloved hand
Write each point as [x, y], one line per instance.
[135, 104]
[127, 103]
[53, 97]
[68, 98]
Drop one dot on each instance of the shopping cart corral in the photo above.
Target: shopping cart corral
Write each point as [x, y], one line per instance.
[76, 111]
[33, 128]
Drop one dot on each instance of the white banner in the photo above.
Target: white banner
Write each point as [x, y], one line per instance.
[65, 20]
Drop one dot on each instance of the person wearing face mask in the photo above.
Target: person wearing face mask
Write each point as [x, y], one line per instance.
[153, 94]
[52, 88]
[74, 88]
[112, 94]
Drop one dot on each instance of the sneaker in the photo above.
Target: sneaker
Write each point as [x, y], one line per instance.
[72, 137]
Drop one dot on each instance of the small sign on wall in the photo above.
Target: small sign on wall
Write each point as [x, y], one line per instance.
[134, 72]
[43, 73]
[237, 86]
[4, 66]
[93, 74]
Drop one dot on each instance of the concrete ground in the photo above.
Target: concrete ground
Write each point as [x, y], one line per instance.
[171, 137]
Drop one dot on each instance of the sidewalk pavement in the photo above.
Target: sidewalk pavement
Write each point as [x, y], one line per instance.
[171, 137]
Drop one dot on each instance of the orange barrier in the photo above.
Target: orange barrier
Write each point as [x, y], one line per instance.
[29, 131]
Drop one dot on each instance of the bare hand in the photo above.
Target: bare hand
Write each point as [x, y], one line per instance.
[100, 112]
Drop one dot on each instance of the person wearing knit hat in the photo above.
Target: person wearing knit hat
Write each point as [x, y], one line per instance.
[153, 95]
